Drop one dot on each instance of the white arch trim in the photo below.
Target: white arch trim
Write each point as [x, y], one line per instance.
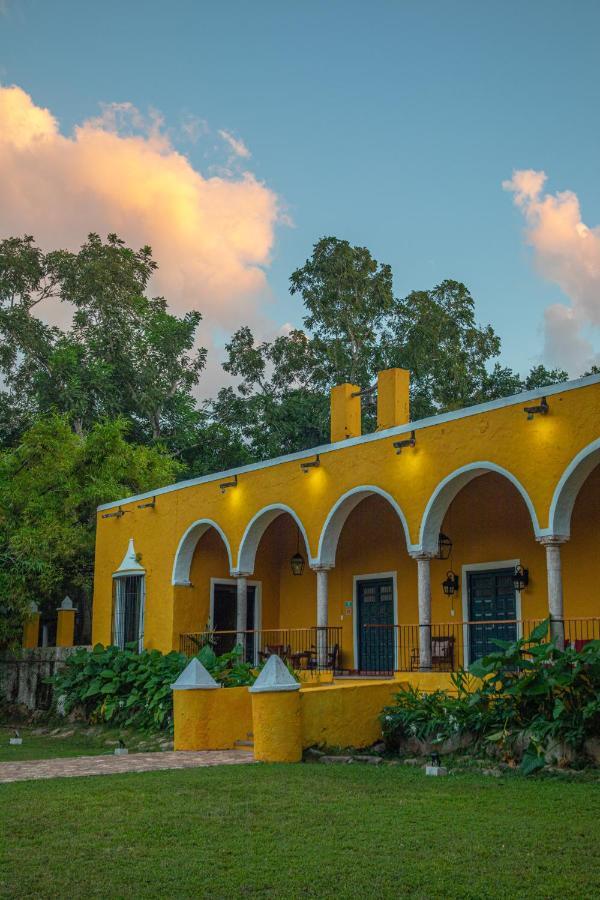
[187, 545]
[255, 529]
[445, 493]
[332, 528]
[567, 489]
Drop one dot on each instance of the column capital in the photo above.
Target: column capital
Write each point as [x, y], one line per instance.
[422, 555]
[553, 540]
[235, 573]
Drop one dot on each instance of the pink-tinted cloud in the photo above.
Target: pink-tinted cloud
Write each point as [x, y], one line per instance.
[212, 236]
[566, 252]
[238, 146]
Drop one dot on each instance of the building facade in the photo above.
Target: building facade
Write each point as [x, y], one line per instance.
[408, 548]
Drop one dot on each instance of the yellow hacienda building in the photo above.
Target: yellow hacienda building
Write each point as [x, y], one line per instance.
[406, 549]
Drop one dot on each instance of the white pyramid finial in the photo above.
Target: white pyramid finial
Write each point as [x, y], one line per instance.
[130, 564]
[274, 677]
[67, 603]
[195, 677]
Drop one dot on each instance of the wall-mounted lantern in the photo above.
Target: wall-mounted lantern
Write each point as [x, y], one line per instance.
[407, 442]
[450, 585]
[520, 578]
[297, 560]
[313, 464]
[540, 409]
[228, 484]
[444, 546]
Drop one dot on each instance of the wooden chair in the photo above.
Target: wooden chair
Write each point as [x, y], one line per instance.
[442, 654]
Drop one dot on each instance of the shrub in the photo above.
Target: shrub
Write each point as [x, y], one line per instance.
[532, 695]
[133, 689]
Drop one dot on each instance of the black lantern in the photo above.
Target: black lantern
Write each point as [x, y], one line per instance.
[444, 546]
[435, 759]
[297, 560]
[450, 585]
[520, 578]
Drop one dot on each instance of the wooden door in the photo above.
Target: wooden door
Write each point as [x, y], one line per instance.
[375, 602]
[492, 598]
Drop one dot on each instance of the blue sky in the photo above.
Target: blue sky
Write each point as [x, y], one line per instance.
[391, 124]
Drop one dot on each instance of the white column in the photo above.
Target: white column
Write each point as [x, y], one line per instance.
[424, 595]
[555, 587]
[242, 609]
[322, 613]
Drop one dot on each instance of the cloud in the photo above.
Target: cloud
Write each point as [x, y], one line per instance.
[212, 236]
[566, 252]
[238, 146]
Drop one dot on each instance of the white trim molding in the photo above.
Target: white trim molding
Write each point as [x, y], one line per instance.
[374, 577]
[567, 489]
[386, 434]
[464, 597]
[339, 512]
[445, 493]
[254, 531]
[187, 546]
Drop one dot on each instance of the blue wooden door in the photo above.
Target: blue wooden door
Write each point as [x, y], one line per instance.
[492, 599]
[375, 600]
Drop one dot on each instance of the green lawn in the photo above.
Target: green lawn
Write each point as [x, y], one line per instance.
[301, 831]
[73, 740]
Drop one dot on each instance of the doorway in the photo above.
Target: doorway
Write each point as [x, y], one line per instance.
[224, 617]
[492, 600]
[375, 619]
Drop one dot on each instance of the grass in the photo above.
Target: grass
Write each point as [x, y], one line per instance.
[50, 742]
[304, 831]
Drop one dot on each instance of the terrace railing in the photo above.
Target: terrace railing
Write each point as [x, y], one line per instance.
[447, 647]
[311, 649]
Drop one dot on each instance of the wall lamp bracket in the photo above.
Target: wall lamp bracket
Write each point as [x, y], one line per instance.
[313, 464]
[150, 505]
[228, 484]
[408, 442]
[115, 515]
[540, 409]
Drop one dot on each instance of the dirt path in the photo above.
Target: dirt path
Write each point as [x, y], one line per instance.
[73, 767]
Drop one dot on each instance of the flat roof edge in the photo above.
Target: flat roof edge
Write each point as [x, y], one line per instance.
[440, 419]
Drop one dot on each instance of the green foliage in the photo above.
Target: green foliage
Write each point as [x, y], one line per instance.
[50, 486]
[532, 696]
[124, 687]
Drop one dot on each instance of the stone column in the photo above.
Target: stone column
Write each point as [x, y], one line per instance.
[242, 610]
[322, 613]
[555, 587]
[424, 595]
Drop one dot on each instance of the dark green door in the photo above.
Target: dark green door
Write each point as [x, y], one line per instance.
[492, 599]
[225, 619]
[375, 600]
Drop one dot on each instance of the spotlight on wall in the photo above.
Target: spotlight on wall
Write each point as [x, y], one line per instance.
[540, 409]
[228, 484]
[313, 464]
[407, 442]
[444, 546]
[450, 585]
[520, 578]
[150, 505]
[115, 515]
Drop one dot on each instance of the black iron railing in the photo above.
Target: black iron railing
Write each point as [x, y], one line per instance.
[449, 646]
[310, 649]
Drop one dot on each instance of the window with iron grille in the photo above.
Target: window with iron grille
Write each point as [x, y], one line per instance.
[128, 611]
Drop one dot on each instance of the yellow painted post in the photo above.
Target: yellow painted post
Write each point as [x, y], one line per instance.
[393, 403]
[31, 629]
[65, 626]
[276, 718]
[345, 412]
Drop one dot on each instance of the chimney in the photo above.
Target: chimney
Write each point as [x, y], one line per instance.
[393, 405]
[345, 412]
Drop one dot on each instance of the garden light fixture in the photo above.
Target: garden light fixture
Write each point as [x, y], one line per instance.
[408, 442]
[520, 578]
[540, 409]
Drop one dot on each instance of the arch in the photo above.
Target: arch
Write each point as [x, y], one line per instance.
[568, 487]
[332, 528]
[445, 493]
[187, 545]
[255, 529]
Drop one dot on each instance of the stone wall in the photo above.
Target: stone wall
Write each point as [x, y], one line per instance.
[23, 675]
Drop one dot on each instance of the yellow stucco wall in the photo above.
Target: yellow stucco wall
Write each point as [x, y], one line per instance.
[344, 715]
[488, 521]
[211, 720]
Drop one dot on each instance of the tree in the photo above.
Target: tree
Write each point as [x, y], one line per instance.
[122, 355]
[50, 486]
